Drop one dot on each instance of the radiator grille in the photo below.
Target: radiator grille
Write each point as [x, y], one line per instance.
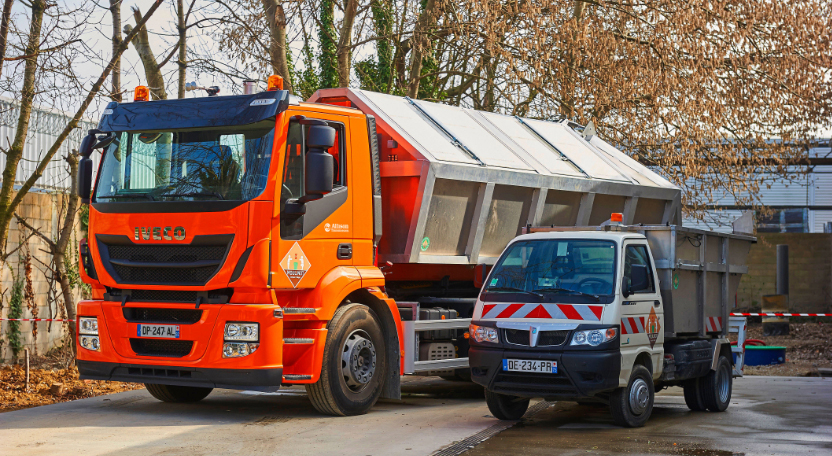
[159, 347]
[158, 315]
[545, 339]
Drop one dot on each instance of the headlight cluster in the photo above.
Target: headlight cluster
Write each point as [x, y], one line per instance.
[594, 337]
[88, 333]
[484, 334]
[240, 339]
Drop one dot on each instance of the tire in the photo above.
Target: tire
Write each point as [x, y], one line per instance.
[717, 386]
[632, 406]
[174, 393]
[345, 389]
[693, 395]
[506, 407]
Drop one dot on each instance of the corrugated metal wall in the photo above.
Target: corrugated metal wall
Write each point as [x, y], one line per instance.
[44, 127]
[810, 189]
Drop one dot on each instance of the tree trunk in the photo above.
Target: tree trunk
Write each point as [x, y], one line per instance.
[421, 43]
[60, 248]
[344, 50]
[183, 64]
[155, 81]
[276, 17]
[27, 96]
[383, 23]
[115, 11]
[327, 46]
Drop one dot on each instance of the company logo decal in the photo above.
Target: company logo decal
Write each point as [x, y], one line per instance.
[295, 264]
[653, 327]
[158, 233]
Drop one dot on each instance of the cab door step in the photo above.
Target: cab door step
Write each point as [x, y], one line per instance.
[298, 340]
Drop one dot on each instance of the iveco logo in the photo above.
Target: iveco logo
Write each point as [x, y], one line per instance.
[159, 233]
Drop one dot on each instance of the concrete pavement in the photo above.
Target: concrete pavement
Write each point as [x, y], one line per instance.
[768, 415]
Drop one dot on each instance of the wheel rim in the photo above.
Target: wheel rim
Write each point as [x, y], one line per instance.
[358, 360]
[723, 384]
[639, 396]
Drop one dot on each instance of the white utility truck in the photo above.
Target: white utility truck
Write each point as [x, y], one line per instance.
[609, 314]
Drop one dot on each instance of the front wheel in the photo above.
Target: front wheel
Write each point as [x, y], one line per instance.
[716, 387]
[632, 406]
[506, 407]
[174, 393]
[354, 363]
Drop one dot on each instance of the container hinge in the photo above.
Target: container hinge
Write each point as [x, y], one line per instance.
[456, 142]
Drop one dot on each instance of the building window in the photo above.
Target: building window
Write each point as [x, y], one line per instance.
[784, 221]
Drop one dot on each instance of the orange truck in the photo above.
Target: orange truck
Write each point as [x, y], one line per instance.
[256, 241]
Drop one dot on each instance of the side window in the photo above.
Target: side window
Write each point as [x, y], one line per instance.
[293, 169]
[638, 270]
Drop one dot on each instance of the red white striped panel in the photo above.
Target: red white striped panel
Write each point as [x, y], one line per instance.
[580, 312]
[713, 324]
[779, 314]
[632, 325]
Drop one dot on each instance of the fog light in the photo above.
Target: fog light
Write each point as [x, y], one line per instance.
[238, 349]
[90, 343]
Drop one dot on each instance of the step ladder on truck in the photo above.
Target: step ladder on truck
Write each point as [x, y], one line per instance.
[610, 314]
[256, 241]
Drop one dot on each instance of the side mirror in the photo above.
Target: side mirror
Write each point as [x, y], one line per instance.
[625, 287]
[320, 165]
[85, 179]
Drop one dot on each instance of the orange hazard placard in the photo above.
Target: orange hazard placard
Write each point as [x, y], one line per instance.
[295, 264]
[653, 327]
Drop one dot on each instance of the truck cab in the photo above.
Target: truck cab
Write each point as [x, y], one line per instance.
[580, 315]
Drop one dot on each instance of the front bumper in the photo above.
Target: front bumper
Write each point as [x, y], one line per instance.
[180, 375]
[581, 374]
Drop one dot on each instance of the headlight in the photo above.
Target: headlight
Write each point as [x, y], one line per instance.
[249, 332]
[594, 337]
[484, 334]
[88, 325]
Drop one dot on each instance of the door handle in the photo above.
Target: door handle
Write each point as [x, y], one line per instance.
[344, 251]
[656, 303]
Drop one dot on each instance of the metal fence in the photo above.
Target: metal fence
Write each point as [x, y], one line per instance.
[44, 127]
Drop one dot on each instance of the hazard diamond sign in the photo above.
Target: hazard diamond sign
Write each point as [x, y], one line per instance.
[295, 264]
[653, 327]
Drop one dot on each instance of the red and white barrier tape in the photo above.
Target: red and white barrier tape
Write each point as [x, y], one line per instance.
[779, 314]
[35, 319]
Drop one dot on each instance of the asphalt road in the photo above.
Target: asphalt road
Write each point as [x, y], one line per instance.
[768, 415]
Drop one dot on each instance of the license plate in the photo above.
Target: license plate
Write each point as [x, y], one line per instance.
[166, 331]
[526, 365]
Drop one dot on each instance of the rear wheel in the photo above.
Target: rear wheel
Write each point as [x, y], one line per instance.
[354, 363]
[174, 393]
[632, 406]
[506, 407]
[693, 394]
[717, 386]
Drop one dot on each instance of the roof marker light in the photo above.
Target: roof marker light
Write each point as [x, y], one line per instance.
[274, 82]
[616, 218]
[142, 93]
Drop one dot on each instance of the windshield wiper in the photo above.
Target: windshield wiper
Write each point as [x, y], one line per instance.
[512, 290]
[567, 290]
[135, 195]
[216, 194]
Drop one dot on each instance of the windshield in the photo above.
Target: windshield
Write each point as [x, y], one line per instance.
[223, 163]
[554, 270]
